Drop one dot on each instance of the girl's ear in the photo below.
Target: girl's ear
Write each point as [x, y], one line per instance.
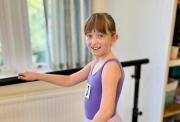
[115, 37]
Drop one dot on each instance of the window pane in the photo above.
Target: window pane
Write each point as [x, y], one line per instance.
[1, 56]
[38, 31]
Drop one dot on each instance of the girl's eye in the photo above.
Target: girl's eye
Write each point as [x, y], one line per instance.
[100, 35]
[89, 36]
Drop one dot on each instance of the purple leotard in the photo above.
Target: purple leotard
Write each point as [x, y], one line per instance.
[94, 90]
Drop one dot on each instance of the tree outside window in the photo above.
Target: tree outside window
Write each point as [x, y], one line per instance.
[37, 31]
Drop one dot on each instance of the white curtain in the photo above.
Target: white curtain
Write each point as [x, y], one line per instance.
[65, 30]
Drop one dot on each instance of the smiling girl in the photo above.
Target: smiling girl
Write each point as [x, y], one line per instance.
[104, 75]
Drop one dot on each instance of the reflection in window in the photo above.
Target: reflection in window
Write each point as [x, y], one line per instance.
[38, 32]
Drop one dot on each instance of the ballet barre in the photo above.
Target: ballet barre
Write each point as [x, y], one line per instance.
[137, 75]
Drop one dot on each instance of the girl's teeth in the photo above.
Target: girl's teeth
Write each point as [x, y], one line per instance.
[95, 48]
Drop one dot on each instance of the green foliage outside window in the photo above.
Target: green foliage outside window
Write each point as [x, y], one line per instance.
[37, 30]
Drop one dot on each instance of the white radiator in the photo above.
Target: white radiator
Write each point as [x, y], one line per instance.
[41, 103]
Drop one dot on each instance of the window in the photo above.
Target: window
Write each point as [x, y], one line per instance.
[38, 36]
[41, 34]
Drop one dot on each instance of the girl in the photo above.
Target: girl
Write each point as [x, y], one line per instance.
[104, 74]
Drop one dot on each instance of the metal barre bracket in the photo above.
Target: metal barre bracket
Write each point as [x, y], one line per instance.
[137, 74]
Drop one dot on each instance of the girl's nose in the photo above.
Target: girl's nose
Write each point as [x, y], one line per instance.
[93, 41]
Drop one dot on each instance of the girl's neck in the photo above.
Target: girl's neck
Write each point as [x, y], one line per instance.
[105, 57]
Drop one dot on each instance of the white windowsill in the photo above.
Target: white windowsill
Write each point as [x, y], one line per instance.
[2, 76]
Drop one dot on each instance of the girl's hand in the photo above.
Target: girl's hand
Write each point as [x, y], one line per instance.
[28, 76]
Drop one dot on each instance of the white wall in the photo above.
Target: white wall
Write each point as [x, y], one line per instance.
[145, 28]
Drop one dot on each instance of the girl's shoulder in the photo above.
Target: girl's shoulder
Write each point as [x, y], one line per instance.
[113, 65]
[113, 61]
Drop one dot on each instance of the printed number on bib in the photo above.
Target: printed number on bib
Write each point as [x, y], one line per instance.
[88, 91]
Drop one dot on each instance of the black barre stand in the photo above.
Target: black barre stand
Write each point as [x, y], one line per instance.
[137, 74]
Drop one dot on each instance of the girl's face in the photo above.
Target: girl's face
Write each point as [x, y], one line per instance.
[99, 44]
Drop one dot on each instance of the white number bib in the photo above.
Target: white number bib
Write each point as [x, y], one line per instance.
[88, 91]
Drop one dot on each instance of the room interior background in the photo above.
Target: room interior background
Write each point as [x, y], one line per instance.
[145, 29]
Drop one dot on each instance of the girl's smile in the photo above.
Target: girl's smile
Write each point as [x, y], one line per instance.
[96, 47]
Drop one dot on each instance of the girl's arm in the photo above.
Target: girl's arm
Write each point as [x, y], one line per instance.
[64, 80]
[110, 77]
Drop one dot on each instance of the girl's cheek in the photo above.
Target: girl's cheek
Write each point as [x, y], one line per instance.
[87, 43]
